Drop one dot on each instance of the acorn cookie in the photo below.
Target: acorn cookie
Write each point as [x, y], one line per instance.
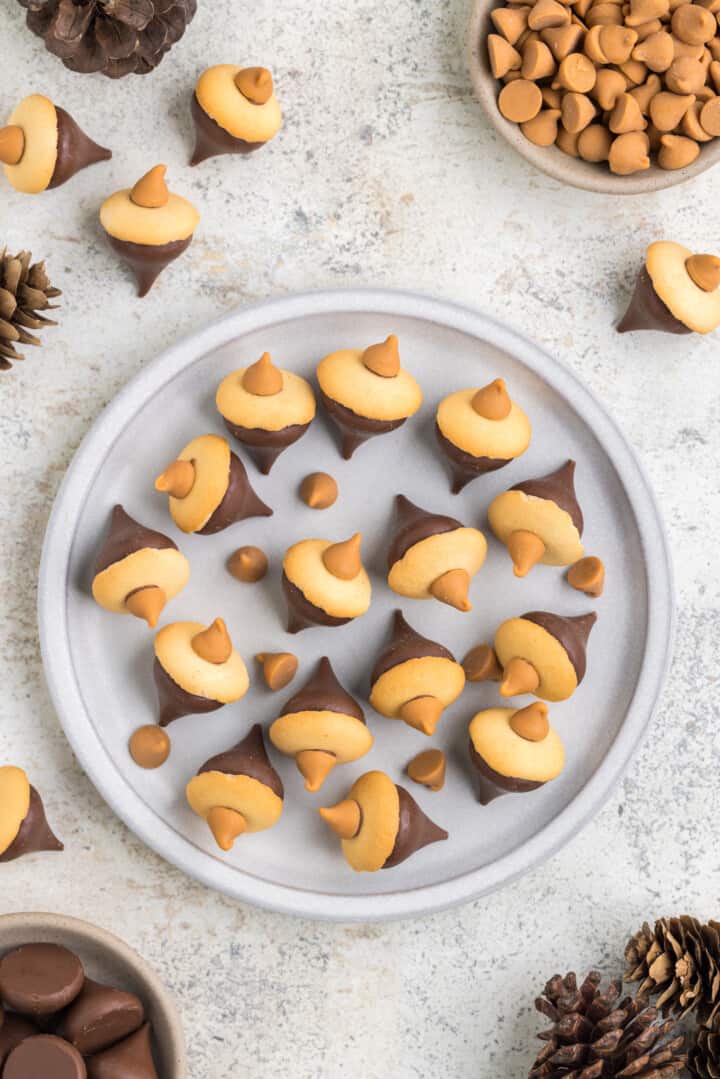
[321, 726]
[208, 488]
[543, 653]
[148, 227]
[433, 556]
[380, 824]
[480, 431]
[234, 110]
[414, 679]
[266, 409]
[42, 146]
[540, 520]
[237, 791]
[367, 393]
[137, 570]
[514, 752]
[676, 292]
[324, 583]
[23, 826]
[196, 670]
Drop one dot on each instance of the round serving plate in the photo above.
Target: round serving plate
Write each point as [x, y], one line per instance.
[99, 666]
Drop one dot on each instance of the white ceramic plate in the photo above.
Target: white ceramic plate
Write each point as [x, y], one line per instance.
[99, 665]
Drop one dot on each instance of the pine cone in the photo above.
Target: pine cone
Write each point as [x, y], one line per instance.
[597, 1036]
[678, 963]
[24, 291]
[115, 37]
[704, 1060]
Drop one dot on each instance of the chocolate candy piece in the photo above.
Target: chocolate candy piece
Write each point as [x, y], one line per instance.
[129, 1059]
[14, 1030]
[44, 1057]
[33, 831]
[101, 1016]
[40, 979]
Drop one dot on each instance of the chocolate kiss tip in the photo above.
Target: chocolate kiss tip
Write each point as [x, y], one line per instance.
[314, 765]
[344, 818]
[422, 713]
[147, 603]
[226, 825]
[584, 623]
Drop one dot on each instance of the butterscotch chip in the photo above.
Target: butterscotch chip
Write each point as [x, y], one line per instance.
[577, 73]
[693, 24]
[667, 110]
[682, 48]
[503, 57]
[710, 116]
[531, 723]
[645, 93]
[319, 491]
[690, 124]
[657, 52]
[542, 129]
[588, 576]
[685, 76]
[279, 668]
[704, 271]
[248, 564]
[714, 48]
[677, 152]
[511, 76]
[537, 61]
[481, 664]
[562, 40]
[634, 71]
[551, 98]
[581, 8]
[567, 142]
[547, 13]
[149, 746]
[604, 15]
[654, 137]
[643, 10]
[629, 153]
[645, 29]
[592, 48]
[594, 143]
[608, 87]
[626, 116]
[510, 21]
[577, 112]
[520, 100]
[714, 72]
[617, 43]
[428, 768]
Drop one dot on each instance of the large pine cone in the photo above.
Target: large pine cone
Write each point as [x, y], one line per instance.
[25, 290]
[678, 963]
[115, 37]
[597, 1036]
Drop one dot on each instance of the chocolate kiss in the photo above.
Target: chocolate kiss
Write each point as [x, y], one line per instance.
[557, 487]
[75, 150]
[414, 524]
[354, 428]
[239, 501]
[492, 784]
[323, 693]
[174, 701]
[247, 758]
[647, 311]
[415, 830]
[126, 536]
[147, 261]
[405, 643]
[211, 140]
[101, 1016]
[13, 1030]
[34, 833]
[302, 614]
[129, 1059]
[572, 633]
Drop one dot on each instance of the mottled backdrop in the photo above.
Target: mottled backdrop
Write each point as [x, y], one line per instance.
[385, 174]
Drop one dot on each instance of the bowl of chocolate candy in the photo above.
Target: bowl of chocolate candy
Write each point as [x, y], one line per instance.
[613, 96]
[78, 1003]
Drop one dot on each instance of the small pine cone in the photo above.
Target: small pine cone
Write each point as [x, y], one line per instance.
[25, 290]
[677, 963]
[704, 1059]
[595, 1035]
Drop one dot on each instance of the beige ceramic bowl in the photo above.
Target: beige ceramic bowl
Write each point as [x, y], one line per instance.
[554, 162]
[108, 960]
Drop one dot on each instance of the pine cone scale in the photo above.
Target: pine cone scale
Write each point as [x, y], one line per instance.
[21, 303]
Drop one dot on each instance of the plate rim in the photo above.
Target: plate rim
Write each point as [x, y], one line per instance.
[111, 783]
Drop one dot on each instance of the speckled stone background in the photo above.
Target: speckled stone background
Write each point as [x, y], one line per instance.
[386, 174]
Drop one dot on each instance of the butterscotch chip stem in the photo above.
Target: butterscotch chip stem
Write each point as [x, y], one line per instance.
[704, 271]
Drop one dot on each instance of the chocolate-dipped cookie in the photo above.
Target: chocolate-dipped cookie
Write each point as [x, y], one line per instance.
[196, 670]
[266, 409]
[42, 146]
[237, 791]
[540, 520]
[380, 824]
[676, 292]
[44, 1056]
[100, 1016]
[324, 583]
[514, 751]
[148, 227]
[131, 1058]
[414, 679]
[480, 431]
[433, 556]
[367, 392]
[543, 653]
[208, 487]
[23, 826]
[137, 570]
[321, 726]
[234, 110]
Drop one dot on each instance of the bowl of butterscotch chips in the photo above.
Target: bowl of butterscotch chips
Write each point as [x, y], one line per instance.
[614, 96]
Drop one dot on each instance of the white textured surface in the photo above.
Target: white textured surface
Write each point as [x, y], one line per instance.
[385, 174]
